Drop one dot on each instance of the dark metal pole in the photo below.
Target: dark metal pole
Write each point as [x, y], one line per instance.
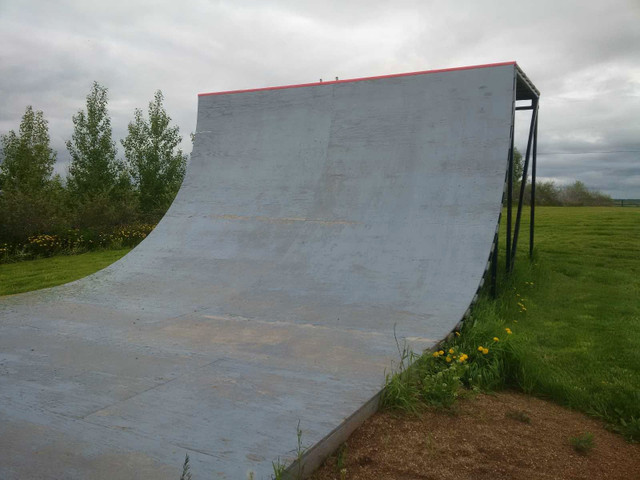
[510, 172]
[523, 184]
[532, 221]
[494, 265]
[509, 203]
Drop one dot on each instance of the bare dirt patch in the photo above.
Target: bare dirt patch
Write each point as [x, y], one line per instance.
[503, 436]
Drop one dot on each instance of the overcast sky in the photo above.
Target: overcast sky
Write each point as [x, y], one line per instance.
[583, 56]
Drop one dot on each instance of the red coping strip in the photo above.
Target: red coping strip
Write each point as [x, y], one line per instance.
[334, 82]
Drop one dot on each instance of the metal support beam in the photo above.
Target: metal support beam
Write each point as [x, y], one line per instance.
[509, 203]
[523, 184]
[533, 184]
[523, 90]
[494, 265]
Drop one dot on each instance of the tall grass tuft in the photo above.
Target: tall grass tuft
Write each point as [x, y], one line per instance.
[186, 469]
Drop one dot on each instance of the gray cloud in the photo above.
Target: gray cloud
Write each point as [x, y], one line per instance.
[582, 55]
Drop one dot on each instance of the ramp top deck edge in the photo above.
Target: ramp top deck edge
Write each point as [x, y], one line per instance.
[360, 79]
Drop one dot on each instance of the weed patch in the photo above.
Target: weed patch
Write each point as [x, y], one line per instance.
[186, 469]
[519, 416]
[476, 358]
[583, 443]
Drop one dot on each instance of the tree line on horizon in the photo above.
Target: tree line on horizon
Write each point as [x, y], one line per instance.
[100, 191]
[549, 194]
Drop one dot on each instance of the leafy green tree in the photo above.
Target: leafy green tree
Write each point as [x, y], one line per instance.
[23, 214]
[99, 184]
[573, 195]
[94, 168]
[518, 167]
[547, 193]
[32, 201]
[154, 159]
[577, 194]
[27, 158]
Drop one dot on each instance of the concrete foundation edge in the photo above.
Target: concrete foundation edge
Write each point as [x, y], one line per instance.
[313, 458]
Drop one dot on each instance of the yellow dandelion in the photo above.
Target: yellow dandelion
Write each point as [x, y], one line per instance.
[480, 347]
[441, 352]
[451, 350]
[508, 330]
[435, 354]
[496, 339]
[485, 350]
[448, 359]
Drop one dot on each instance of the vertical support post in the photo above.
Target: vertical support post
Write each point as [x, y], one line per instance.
[523, 184]
[510, 172]
[494, 265]
[532, 221]
[509, 203]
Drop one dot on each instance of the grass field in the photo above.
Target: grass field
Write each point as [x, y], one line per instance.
[578, 341]
[574, 311]
[565, 326]
[47, 272]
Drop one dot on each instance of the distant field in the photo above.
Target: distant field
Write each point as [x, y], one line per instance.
[48, 272]
[626, 202]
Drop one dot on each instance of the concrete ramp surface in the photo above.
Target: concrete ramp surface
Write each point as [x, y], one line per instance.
[311, 221]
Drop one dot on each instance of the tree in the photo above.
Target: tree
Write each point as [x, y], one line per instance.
[577, 194]
[98, 183]
[28, 160]
[94, 168]
[154, 159]
[31, 201]
[518, 168]
[573, 195]
[547, 194]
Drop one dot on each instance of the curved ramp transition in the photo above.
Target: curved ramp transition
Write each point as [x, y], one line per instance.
[311, 221]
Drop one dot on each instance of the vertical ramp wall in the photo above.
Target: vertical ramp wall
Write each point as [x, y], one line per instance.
[312, 221]
[357, 204]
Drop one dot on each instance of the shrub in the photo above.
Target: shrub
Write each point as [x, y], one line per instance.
[72, 241]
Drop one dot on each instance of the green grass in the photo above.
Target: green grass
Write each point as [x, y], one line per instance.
[575, 316]
[578, 342]
[47, 272]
